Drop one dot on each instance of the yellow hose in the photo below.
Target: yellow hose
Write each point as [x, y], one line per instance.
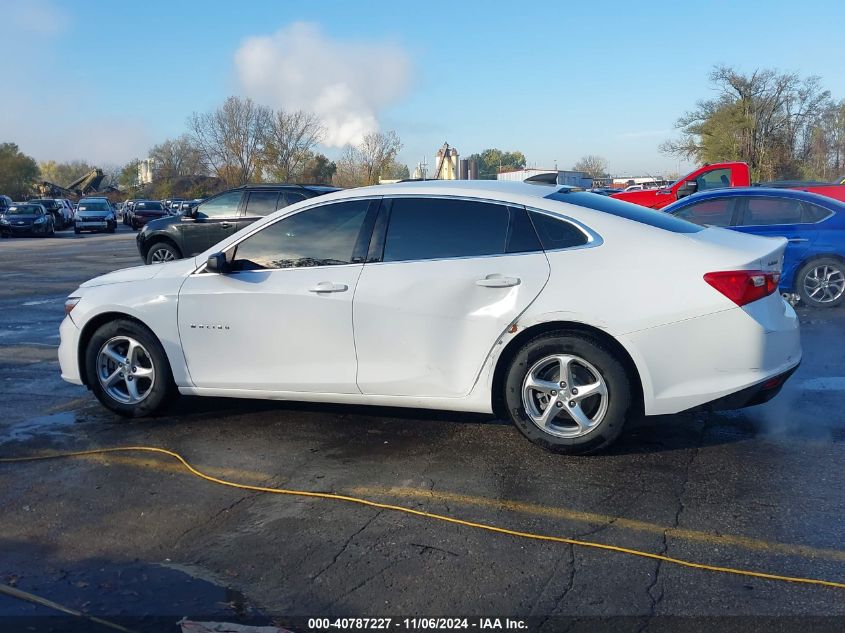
[436, 517]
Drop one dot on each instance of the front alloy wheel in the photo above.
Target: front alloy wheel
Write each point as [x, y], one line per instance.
[161, 253]
[125, 370]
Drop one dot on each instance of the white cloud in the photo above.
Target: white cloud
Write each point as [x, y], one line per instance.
[36, 17]
[345, 83]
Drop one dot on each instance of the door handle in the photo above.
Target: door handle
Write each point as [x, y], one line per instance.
[225, 225]
[795, 240]
[498, 281]
[327, 286]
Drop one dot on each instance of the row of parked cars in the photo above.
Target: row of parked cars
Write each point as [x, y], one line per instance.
[45, 216]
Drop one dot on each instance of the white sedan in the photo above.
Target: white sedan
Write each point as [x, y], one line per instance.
[563, 310]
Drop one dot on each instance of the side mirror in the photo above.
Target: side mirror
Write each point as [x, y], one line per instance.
[217, 264]
[687, 189]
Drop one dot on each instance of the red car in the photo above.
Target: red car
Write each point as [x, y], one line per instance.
[145, 210]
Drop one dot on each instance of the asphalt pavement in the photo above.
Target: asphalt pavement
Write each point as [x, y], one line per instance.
[133, 535]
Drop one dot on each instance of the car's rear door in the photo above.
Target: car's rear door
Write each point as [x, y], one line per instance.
[774, 216]
[444, 279]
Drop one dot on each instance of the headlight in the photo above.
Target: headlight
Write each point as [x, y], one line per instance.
[70, 304]
[110, 216]
[3, 221]
[40, 221]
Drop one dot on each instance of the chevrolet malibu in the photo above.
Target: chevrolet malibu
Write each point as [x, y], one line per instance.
[565, 311]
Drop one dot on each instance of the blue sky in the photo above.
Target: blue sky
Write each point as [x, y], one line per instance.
[103, 81]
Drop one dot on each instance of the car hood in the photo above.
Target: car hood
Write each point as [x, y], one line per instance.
[163, 222]
[142, 273]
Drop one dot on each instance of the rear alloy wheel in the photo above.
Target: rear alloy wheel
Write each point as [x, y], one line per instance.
[821, 283]
[162, 253]
[127, 369]
[567, 393]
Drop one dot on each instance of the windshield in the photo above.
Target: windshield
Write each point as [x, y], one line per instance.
[25, 209]
[93, 206]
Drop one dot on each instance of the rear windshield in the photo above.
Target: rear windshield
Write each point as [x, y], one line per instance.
[627, 210]
[148, 206]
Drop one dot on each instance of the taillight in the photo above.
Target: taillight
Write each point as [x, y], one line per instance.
[744, 286]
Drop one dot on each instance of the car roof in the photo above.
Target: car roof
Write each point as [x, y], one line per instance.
[777, 192]
[469, 188]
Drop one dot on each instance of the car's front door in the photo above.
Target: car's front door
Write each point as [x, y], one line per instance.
[212, 221]
[452, 276]
[281, 318]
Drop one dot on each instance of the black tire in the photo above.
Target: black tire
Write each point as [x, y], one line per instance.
[807, 269]
[161, 246]
[596, 354]
[161, 389]
[112, 229]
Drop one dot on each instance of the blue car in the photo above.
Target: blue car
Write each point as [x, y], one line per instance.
[814, 261]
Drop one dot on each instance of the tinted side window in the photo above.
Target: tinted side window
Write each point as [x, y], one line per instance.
[322, 236]
[557, 233]
[522, 238]
[766, 211]
[715, 212]
[262, 202]
[290, 197]
[223, 206]
[814, 213]
[714, 179]
[433, 228]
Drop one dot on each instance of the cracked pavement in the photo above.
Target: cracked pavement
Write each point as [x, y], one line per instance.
[124, 535]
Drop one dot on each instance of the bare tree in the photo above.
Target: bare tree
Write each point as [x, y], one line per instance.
[593, 165]
[231, 138]
[289, 143]
[377, 151]
[178, 157]
[366, 163]
[349, 169]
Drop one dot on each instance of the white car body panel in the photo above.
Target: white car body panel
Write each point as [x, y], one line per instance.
[427, 336]
[289, 338]
[424, 328]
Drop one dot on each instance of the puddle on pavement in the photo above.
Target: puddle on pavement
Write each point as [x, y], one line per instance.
[55, 425]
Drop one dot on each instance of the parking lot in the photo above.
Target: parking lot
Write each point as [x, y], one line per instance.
[133, 534]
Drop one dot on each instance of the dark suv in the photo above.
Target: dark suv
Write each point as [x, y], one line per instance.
[217, 218]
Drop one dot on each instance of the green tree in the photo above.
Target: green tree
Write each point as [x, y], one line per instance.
[64, 173]
[766, 119]
[492, 161]
[18, 171]
[318, 170]
[128, 178]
